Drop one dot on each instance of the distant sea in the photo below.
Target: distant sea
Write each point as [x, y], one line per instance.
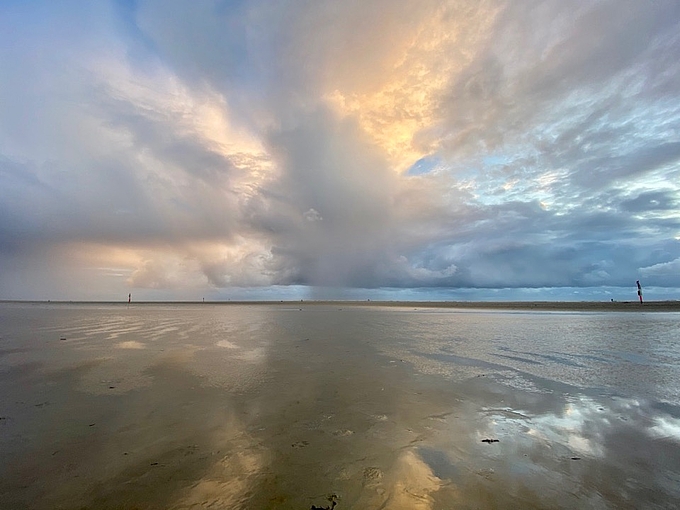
[295, 405]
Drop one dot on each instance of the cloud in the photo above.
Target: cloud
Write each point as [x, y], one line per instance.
[444, 144]
[312, 215]
[663, 273]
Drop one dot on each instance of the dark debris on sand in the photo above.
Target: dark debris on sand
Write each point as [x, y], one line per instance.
[332, 498]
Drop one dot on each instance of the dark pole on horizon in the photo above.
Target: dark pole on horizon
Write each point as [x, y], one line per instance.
[639, 290]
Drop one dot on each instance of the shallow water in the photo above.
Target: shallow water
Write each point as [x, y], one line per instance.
[281, 406]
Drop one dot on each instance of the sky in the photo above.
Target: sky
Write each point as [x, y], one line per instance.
[314, 149]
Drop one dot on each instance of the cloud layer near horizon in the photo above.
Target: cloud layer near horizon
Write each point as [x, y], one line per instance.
[396, 144]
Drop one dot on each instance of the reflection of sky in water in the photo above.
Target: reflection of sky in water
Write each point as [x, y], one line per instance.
[385, 407]
[130, 344]
[580, 424]
[666, 427]
[611, 452]
[633, 353]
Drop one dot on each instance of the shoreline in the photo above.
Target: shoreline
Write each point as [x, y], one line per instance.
[594, 306]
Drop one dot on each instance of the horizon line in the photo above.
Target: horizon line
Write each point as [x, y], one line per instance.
[583, 305]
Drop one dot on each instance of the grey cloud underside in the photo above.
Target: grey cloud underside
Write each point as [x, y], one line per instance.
[559, 144]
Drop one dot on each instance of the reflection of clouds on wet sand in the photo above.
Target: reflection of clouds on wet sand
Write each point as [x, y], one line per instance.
[408, 484]
[666, 427]
[252, 355]
[228, 482]
[578, 425]
[227, 344]
[411, 483]
[251, 409]
[581, 450]
[223, 349]
[581, 349]
[130, 344]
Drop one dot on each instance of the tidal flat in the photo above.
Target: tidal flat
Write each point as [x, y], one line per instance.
[301, 405]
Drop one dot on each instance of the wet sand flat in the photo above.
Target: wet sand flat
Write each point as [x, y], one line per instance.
[555, 306]
[292, 405]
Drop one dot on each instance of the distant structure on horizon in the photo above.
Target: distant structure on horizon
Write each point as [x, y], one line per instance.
[639, 290]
